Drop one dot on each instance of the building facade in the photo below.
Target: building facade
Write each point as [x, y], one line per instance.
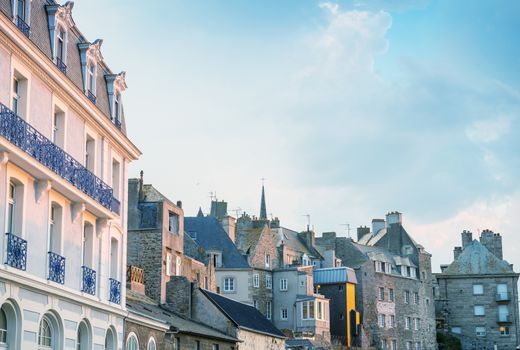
[476, 296]
[63, 174]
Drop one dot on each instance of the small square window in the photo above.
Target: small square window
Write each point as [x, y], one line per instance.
[478, 289]
[480, 331]
[479, 310]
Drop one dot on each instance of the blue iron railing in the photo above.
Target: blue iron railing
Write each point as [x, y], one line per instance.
[115, 291]
[89, 280]
[118, 123]
[61, 66]
[91, 96]
[56, 268]
[16, 251]
[23, 135]
[24, 27]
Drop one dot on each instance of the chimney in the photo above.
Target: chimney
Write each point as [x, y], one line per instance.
[467, 238]
[330, 258]
[135, 279]
[492, 241]
[498, 246]
[394, 217]
[141, 184]
[362, 231]
[179, 204]
[456, 252]
[377, 224]
[229, 225]
[308, 238]
[218, 209]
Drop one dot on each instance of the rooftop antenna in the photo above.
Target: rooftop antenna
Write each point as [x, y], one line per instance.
[213, 196]
[308, 221]
[237, 211]
[347, 225]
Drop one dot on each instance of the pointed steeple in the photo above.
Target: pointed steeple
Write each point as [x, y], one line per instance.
[200, 214]
[263, 210]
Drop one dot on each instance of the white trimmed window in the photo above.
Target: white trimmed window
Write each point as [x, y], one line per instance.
[151, 344]
[392, 321]
[308, 310]
[117, 106]
[132, 342]
[169, 262]
[268, 281]
[11, 208]
[19, 95]
[283, 284]
[381, 320]
[45, 336]
[416, 298]
[178, 266]
[61, 44]
[391, 295]
[417, 324]
[407, 322]
[480, 331]
[284, 313]
[505, 330]
[381, 294]
[407, 297]
[394, 344]
[267, 260]
[91, 77]
[229, 284]
[256, 280]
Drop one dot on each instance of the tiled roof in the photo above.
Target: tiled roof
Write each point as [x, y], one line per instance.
[334, 275]
[476, 259]
[243, 315]
[211, 236]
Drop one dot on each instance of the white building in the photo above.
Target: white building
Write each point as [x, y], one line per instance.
[64, 157]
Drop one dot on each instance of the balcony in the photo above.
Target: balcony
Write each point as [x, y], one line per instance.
[91, 97]
[115, 291]
[24, 136]
[503, 297]
[61, 66]
[24, 27]
[89, 281]
[504, 318]
[16, 252]
[56, 268]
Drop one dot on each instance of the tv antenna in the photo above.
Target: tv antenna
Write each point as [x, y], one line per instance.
[347, 225]
[308, 221]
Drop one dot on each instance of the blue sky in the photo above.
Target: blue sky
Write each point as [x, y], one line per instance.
[349, 109]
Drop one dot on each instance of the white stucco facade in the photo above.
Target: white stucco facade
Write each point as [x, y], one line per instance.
[56, 233]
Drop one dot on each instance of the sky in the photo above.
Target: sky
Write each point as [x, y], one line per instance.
[347, 109]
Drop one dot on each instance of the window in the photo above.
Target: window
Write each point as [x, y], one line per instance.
[502, 293]
[381, 320]
[173, 223]
[45, 334]
[268, 310]
[394, 344]
[61, 48]
[3, 327]
[178, 266]
[177, 343]
[215, 347]
[384, 344]
[381, 294]
[132, 343]
[58, 127]
[413, 272]
[114, 259]
[169, 262]
[308, 310]
[416, 298]
[320, 315]
[409, 345]
[392, 321]
[55, 229]
[90, 153]
[268, 281]
[267, 260]
[255, 304]
[116, 173]
[407, 322]
[424, 275]
[16, 96]
[283, 313]
[427, 301]
[378, 266]
[479, 310]
[503, 313]
[504, 330]
[196, 345]
[283, 284]
[11, 208]
[404, 272]
[418, 345]
[456, 330]
[391, 295]
[91, 79]
[407, 297]
[229, 284]
[417, 324]
[480, 331]
[256, 280]
[117, 106]
[478, 289]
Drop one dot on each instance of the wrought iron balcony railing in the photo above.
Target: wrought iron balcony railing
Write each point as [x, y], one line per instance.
[24, 27]
[56, 268]
[118, 123]
[23, 135]
[89, 281]
[16, 252]
[91, 96]
[115, 291]
[61, 65]
[503, 296]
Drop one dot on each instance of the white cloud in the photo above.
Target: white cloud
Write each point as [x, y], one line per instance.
[488, 130]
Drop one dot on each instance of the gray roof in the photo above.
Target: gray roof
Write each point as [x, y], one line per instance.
[334, 275]
[290, 239]
[184, 325]
[476, 259]
[212, 237]
[303, 343]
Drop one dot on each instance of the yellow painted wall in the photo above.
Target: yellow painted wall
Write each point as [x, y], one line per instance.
[351, 305]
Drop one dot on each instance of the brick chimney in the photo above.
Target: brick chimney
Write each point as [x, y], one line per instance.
[229, 225]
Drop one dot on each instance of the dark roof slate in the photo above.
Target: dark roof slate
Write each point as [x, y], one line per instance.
[211, 236]
[243, 315]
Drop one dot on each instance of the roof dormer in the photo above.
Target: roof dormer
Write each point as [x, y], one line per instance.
[21, 14]
[90, 58]
[116, 84]
[59, 20]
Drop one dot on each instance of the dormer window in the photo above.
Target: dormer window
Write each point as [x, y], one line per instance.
[61, 49]
[21, 16]
[117, 110]
[91, 82]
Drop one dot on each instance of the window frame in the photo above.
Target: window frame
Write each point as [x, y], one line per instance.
[256, 280]
[132, 336]
[283, 311]
[284, 285]
[229, 287]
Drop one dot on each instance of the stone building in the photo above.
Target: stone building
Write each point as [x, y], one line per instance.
[156, 241]
[476, 296]
[338, 284]
[64, 157]
[394, 291]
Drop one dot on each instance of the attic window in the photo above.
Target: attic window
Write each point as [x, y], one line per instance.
[61, 49]
[173, 223]
[91, 81]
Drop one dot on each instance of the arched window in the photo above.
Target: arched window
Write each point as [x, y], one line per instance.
[3, 327]
[110, 340]
[83, 341]
[151, 344]
[131, 342]
[45, 339]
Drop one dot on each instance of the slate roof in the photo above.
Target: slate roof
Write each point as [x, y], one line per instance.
[243, 315]
[304, 343]
[142, 306]
[211, 236]
[334, 275]
[248, 238]
[291, 240]
[476, 259]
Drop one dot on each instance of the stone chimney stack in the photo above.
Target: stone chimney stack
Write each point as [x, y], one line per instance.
[141, 184]
[492, 241]
[394, 217]
[218, 209]
[229, 225]
[362, 231]
[456, 252]
[467, 238]
[377, 224]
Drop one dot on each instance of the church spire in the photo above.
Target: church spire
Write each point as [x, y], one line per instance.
[263, 210]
